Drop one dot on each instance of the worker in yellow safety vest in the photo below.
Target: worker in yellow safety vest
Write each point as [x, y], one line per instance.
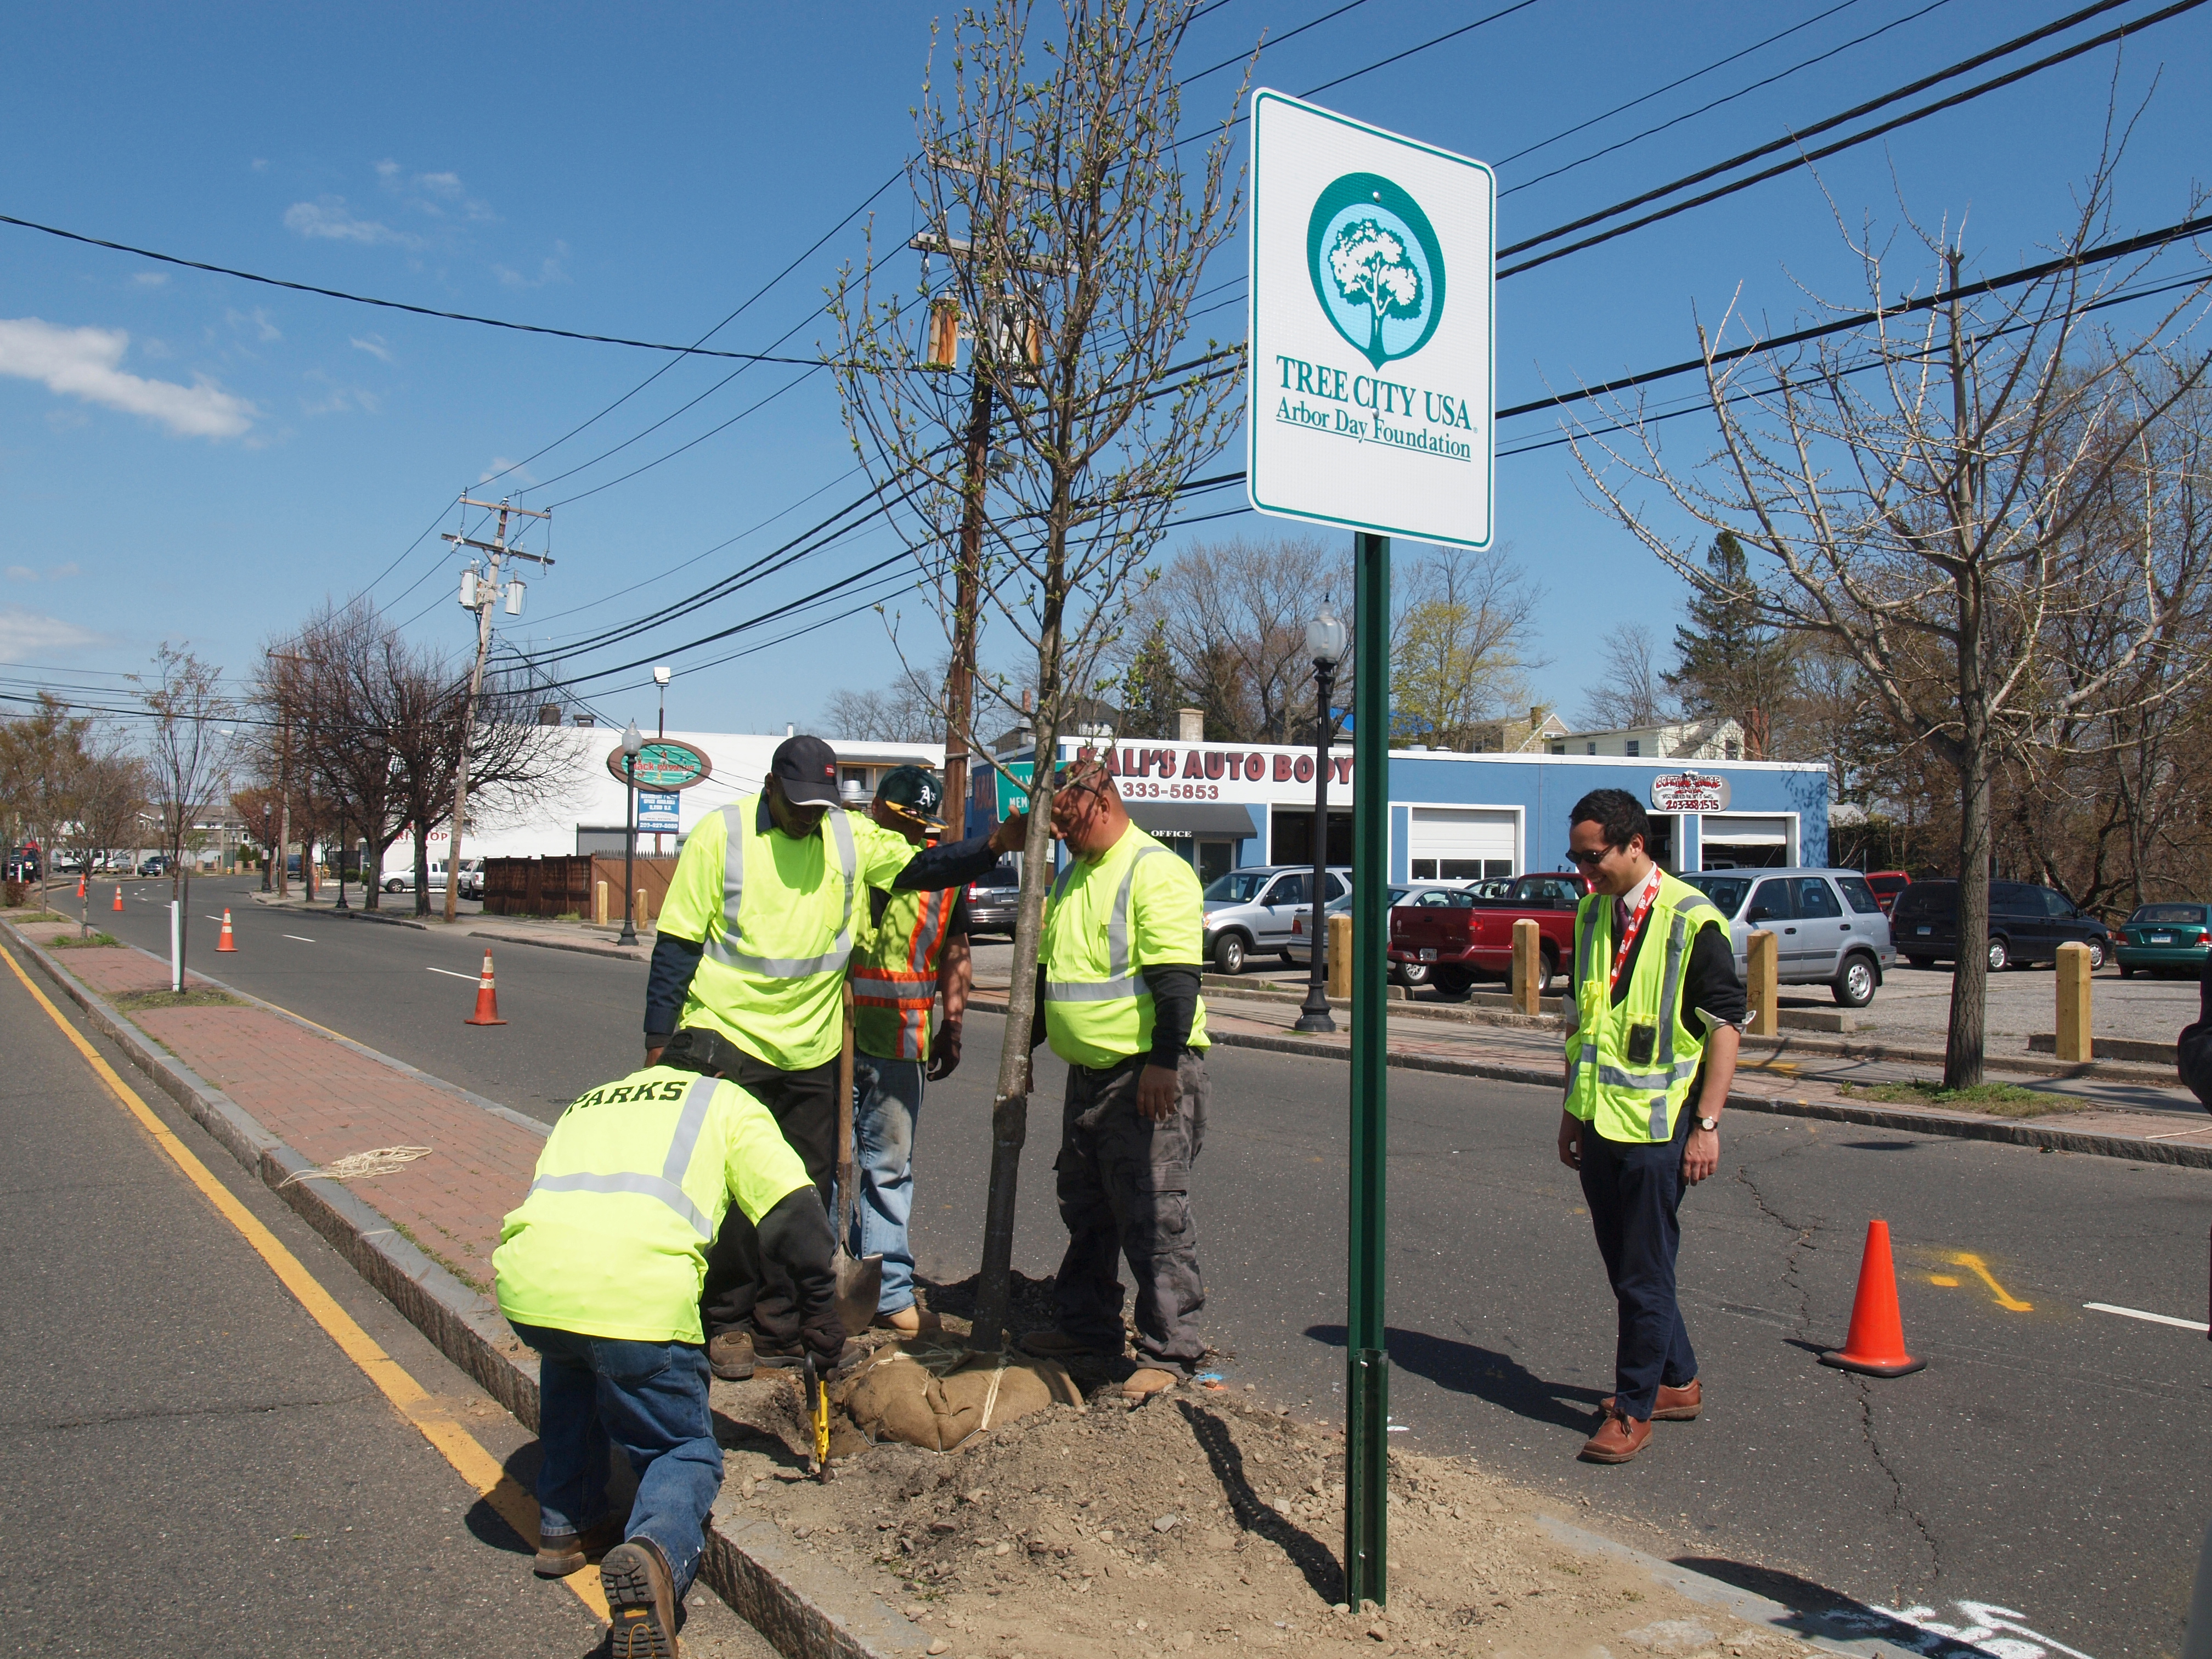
[752, 949]
[914, 955]
[1657, 1013]
[1117, 979]
[600, 1270]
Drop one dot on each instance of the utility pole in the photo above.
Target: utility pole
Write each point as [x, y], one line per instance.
[477, 596]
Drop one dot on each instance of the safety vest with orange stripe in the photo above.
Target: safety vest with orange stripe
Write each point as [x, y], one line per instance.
[895, 976]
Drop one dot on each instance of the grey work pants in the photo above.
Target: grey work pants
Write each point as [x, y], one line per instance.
[1125, 1193]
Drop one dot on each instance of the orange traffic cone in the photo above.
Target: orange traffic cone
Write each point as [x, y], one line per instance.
[117, 905]
[226, 942]
[80, 886]
[487, 1012]
[1875, 1346]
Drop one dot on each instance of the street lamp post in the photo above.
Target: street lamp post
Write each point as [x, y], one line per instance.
[264, 847]
[660, 728]
[1325, 641]
[632, 740]
[342, 904]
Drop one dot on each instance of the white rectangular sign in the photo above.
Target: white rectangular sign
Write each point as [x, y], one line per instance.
[1370, 336]
[657, 814]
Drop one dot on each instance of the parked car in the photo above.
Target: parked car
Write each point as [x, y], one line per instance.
[157, 865]
[1408, 973]
[1462, 937]
[2165, 939]
[1887, 885]
[1828, 926]
[993, 899]
[403, 881]
[1249, 911]
[23, 863]
[2028, 924]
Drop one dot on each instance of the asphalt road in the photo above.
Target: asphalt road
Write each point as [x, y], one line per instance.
[2045, 1461]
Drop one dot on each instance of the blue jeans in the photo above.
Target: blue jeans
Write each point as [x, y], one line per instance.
[886, 1101]
[648, 1398]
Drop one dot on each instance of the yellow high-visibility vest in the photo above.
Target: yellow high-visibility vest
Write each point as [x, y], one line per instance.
[633, 1184]
[1138, 907]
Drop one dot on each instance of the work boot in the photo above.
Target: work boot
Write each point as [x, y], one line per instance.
[731, 1355]
[781, 1357]
[560, 1553]
[1617, 1439]
[1142, 1384]
[641, 1602]
[1059, 1345]
[1673, 1405]
[909, 1320]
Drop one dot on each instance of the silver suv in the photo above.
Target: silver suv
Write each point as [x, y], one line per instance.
[1249, 911]
[1829, 929]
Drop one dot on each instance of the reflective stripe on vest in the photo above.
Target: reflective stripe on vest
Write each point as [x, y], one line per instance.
[733, 891]
[668, 1185]
[909, 990]
[1120, 982]
[1657, 1088]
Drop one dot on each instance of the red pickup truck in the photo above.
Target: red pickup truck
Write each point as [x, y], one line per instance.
[1467, 938]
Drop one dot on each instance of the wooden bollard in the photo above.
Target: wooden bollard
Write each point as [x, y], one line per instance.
[1339, 955]
[1527, 966]
[2074, 1041]
[1763, 969]
[600, 903]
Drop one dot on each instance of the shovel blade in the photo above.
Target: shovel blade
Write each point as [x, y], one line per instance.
[860, 1285]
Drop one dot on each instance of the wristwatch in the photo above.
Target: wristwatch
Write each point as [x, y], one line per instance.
[1708, 1124]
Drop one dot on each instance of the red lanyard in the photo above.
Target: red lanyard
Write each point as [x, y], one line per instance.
[1628, 933]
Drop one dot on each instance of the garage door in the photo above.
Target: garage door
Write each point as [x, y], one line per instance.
[1462, 843]
[1738, 840]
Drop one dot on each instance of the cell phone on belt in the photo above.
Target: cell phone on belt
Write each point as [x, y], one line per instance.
[1642, 1039]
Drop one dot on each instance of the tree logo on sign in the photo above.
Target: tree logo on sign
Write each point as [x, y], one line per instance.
[1376, 266]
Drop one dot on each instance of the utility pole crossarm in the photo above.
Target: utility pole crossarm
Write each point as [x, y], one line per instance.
[494, 547]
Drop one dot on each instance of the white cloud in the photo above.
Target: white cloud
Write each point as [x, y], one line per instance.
[257, 319]
[336, 399]
[549, 270]
[331, 220]
[500, 466]
[260, 164]
[373, 345]
[25, 633]
[84, 363]
[150, 278]
[61, 572]
[21, 573]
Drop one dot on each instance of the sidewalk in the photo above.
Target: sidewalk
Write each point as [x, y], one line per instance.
[2112, 1110]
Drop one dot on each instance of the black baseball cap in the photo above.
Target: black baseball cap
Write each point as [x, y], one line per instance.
[913, 789]
[807, 768]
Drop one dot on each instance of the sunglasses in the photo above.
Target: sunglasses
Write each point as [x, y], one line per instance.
[1591, 861]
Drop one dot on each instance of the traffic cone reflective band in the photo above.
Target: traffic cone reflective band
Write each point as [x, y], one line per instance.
[117, 905]
[80, 886]
[1875, 1346]
[226, 942]
[487, 1012]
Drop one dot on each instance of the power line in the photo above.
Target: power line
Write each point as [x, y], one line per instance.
[1799, 136]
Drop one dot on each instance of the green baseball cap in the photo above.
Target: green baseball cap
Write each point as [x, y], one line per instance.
[916, 790]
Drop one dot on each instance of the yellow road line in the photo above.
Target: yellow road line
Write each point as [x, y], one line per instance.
[414, 1402]
[1973, 1264]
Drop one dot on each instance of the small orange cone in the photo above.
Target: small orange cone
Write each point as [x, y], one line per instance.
[117, 905]
[487, 1012]
[80, 886]
[226, 942]
[1875, 1346]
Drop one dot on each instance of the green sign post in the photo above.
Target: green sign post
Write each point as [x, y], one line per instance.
[1368, 364]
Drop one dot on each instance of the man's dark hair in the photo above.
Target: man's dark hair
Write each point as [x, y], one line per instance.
[1619, 813]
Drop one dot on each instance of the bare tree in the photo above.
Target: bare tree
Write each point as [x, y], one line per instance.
[1231, 616]
[111, 800]
[1924, 496]
[1078, 236]
[911, 709]
[42, 756]
[188, 760]
[1634, 689]
[1458, 656]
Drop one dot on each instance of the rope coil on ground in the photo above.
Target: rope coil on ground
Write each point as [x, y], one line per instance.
[361, 1166]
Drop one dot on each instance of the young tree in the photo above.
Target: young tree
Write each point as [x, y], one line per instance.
[1922, 496]
[1633, 692]
[1729, 662]
[42, 756]
[1231, 616]
[1457, 658]
[111, 799]
[1078, 236]
[188, 761]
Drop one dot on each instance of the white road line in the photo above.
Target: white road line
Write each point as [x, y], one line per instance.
[302, 938]
[2176, 1134]
[450, 973]
[2155, 1319]
[208, 918]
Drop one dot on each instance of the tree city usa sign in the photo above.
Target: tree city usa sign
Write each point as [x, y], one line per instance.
[1370, 376]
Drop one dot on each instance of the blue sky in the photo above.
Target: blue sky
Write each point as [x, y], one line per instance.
[189, 458]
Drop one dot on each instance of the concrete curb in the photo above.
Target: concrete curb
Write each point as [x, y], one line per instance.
[614, 950]
[802, 1605]
[1958, 1126]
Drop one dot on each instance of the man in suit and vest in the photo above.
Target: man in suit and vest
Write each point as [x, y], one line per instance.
[751, 948]
[916, 953]
[600, 1270]
[1657, 1013]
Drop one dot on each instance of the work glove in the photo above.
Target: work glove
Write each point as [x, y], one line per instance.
[822, 1334]
[945, 1051]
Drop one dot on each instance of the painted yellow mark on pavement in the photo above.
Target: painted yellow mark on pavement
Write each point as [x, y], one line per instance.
[1974, 1265]
[413, 1401]
[1948, 1281]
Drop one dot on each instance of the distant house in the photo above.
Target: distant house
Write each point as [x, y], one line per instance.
[1533, 736]
[1704, 741]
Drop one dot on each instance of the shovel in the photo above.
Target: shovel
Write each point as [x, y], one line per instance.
[859, 1284]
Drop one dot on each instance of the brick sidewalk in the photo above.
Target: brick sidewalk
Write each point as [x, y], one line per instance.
[327, 1098]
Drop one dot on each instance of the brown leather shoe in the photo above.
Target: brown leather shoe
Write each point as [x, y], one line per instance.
[1673, 1405]
[730, 1356]
[1617, 1439]
[641, 1602]
[560, 1553]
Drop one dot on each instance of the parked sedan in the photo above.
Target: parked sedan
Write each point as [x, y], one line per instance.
[994, 899]
[158, 864]
[2166, 938]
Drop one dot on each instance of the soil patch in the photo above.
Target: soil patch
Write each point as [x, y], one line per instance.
[136, 1002]
[1201, 1522]
[1994, 1099]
